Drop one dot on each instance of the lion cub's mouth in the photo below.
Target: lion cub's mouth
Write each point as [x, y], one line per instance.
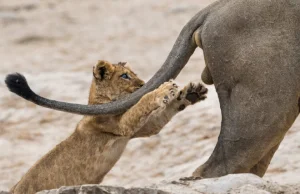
[136, 88]
[133, 89]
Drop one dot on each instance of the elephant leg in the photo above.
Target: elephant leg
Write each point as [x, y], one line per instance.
[261, 167]
[255, 119]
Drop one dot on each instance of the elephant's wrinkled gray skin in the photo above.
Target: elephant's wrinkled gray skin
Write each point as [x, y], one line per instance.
[252, 50]
[252, 53]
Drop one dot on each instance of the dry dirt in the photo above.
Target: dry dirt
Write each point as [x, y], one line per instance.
[56, 43]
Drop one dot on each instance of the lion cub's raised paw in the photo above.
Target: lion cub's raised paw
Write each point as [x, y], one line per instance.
[166, 93]
[193, 93]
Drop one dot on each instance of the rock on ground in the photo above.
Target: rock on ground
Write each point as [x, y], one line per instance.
[233, 184]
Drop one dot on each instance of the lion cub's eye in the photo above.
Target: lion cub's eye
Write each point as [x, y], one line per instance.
[125, 76]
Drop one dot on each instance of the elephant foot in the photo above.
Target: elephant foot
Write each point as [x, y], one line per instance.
[231, 158]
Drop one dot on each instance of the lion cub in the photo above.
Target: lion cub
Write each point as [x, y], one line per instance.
[98, 141]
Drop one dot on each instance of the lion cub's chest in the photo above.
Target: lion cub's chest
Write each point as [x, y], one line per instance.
[106, 155]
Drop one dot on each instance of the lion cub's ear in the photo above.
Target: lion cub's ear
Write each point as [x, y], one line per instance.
[103, 70]
[122, 63]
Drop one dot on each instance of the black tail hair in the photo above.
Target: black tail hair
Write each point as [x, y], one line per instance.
[17, 84]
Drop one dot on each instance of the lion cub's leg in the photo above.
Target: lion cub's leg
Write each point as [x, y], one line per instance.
[151, 104]
[190, 94]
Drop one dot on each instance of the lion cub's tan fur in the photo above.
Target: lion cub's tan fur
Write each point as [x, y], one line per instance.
[98, 141]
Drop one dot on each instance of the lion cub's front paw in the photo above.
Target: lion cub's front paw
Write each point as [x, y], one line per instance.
[167, 92]
[193, 93]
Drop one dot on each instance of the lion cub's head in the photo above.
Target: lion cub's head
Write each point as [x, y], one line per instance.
[112, 81]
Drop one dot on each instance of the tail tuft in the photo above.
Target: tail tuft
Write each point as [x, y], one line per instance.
[17, 84]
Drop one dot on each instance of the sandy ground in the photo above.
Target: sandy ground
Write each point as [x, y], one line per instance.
[56, 43]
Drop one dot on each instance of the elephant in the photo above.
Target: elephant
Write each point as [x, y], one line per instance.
[252, 56]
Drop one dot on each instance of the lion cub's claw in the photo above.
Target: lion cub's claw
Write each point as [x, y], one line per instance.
[166, 93]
